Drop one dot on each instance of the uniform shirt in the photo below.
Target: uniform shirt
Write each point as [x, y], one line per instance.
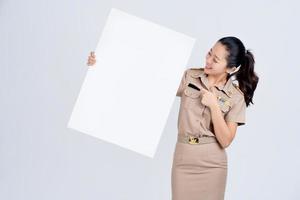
[194, 117]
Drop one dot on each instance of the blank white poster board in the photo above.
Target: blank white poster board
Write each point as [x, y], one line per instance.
[126, 96]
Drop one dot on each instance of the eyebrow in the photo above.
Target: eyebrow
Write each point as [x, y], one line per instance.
[215, 55]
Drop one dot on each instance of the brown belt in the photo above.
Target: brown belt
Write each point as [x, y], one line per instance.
[196, 140]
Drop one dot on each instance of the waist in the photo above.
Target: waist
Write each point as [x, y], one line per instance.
[196, 140]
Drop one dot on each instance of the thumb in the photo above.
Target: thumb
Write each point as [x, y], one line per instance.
[213, 91]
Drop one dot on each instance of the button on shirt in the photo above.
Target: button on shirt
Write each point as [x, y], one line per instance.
[194, 117]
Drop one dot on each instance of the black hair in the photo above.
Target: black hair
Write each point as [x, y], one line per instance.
[239, 56]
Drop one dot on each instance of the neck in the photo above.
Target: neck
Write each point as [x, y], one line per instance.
[217, 80]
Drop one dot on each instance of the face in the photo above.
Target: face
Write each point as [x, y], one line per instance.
[216, 63]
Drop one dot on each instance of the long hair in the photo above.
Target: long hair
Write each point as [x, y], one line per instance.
[238, 56]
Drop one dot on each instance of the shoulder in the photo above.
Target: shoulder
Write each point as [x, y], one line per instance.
[237, 97]
[237, 90]
[195, 71]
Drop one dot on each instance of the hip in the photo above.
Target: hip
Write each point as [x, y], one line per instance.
[209, 153]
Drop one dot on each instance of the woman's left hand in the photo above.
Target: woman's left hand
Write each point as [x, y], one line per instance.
[209, 98]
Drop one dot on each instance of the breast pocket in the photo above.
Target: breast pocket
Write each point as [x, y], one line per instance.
[225, 104]
[191, 97]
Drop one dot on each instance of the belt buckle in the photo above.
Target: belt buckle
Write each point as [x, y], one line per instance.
[193, 140]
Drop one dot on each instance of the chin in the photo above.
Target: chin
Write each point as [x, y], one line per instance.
[207, 70]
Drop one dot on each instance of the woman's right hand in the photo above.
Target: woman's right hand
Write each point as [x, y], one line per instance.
[91, 59]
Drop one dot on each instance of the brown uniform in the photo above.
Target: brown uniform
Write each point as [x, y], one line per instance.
[199, 171]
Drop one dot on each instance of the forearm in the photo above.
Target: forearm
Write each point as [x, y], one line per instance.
[221, 129]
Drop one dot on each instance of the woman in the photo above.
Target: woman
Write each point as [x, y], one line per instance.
[211, 108]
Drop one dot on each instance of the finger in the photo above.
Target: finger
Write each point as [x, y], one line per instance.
[204, 90]
[91, 62]
[214, 92]
[91, 59]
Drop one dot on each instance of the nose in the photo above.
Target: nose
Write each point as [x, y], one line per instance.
[208, 61]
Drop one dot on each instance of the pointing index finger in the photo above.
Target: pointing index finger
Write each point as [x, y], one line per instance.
[203, 89]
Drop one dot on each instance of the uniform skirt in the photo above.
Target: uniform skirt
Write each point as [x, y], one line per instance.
[199, 171]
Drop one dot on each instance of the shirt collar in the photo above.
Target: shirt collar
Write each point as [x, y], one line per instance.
[226, 88]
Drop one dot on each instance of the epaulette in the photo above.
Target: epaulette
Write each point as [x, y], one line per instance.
[195, 71]
[237, 87]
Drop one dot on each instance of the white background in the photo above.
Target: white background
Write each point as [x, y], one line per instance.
[44, 48]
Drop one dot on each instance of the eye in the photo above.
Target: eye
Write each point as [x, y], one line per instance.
[215, 61]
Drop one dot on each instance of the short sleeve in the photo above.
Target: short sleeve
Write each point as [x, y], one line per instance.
[237, 113]
[182, 84]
